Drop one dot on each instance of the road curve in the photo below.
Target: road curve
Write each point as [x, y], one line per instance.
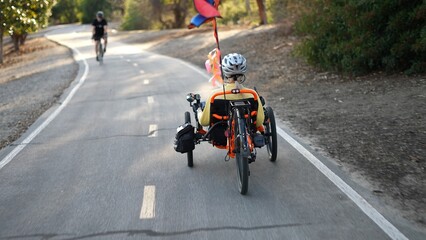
[104, 167]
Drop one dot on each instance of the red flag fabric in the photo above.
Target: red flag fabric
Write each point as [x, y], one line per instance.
[206, 9]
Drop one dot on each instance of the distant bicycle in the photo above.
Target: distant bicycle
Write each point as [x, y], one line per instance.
[100, 31]
[100, 53]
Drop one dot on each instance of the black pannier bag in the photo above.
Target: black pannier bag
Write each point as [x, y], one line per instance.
[184, 141]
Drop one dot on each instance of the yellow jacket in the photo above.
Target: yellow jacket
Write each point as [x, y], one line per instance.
[204, 117]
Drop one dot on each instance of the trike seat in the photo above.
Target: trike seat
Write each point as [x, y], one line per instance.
[218, 119]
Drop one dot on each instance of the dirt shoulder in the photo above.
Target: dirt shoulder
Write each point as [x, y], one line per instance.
[373, 126]
[30, 83]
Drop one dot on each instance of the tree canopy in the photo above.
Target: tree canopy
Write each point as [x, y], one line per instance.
[65, 11]
[89, 8]
[19, 17]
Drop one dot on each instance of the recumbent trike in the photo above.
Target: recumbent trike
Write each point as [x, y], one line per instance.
[233, 128]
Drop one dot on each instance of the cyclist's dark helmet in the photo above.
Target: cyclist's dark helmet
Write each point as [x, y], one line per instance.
[234, 64]
[100, 14]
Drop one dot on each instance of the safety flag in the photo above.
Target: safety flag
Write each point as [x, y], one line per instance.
[207, 11]
[213, 67]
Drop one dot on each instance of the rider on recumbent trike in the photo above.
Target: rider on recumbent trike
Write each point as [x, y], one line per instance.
[234, 67]
[236, 119]
[215, 111]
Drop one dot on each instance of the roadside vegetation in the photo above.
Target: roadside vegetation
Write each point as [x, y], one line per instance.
[350, 36]
[363, 36]
[18, 18]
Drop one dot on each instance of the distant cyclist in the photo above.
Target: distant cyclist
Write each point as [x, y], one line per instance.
[100, 30]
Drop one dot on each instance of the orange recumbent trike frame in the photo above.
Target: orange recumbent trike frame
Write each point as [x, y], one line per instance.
[236, 127]
[231, 136]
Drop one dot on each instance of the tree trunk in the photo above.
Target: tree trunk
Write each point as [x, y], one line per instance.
[1, 45]
[15, 40]
[262, 12]
[22, 38]
[180, 12]
[157, 8]
[248, 8]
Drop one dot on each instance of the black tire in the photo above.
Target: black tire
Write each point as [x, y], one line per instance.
[189, 154]
[241, 160]
[271, 135]
[100, 53]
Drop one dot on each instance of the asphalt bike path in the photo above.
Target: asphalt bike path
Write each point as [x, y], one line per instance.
[104, 167]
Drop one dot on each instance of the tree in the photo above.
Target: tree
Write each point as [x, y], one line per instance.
[89, 8]
[177, 8]
[180, 11]
[157, 11]
[65, 11]
[3, 16]
[149, 14]
[118, 5]
[262, 12]
[138, 15]
[247, 5]
[19, 17]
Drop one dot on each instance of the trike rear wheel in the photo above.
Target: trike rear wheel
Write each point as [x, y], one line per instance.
[271, 135]
[241, 156]
[189, 154]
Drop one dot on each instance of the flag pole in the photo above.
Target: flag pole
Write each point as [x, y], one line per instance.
[216, 35]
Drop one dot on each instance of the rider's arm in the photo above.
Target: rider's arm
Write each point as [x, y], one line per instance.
[106, 28]
[204, 117]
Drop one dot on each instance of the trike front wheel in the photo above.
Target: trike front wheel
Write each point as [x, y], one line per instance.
[189, 154]
[241, 156]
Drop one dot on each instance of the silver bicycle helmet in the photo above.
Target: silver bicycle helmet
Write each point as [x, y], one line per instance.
[234, 64]
[100, 14]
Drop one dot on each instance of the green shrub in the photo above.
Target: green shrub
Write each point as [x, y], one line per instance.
[134, 18]
[360, 36]
[65, 11]
[233, 12]
[89, 8]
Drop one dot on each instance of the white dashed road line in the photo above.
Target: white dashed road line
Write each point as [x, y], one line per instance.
[141, 71]
[150, 100]
[148, 203]
[146, 81]
[135, 64]
[152, 130]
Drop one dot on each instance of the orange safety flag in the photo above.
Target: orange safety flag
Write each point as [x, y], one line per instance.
[213, 66]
